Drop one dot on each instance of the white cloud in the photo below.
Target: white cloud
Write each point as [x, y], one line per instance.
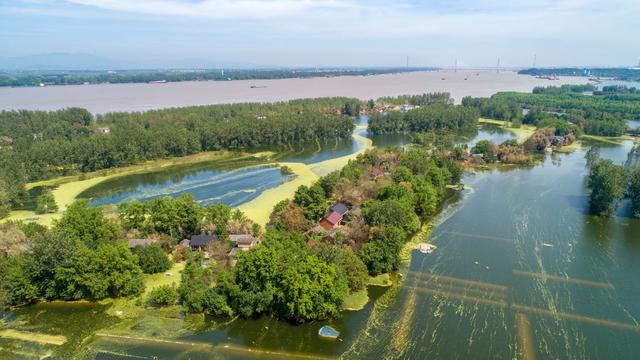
[559, 30]
[216, 9]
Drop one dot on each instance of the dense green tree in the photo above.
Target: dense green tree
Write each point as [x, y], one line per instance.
[5, 201]
[312, 201]
[216, 304]
[486, 148]
[152, 259]
[382, 253]
[163, 295]
[216, 218]
[87, 224]
[391, 213]
[194, 283]
[424, 119]
[394, 191]
[346, 262]
[454, 168]
[47, 255]
[426, 196]
[81, 258]
[420, 100]
[46, 203]
[108, 271]
[597, 114]
[606, 181]
[178, 217]
[634, 191]
[328, 182]
[311, 289]
[402, 174]
[16, 287]
[256, 281]
[133, 215]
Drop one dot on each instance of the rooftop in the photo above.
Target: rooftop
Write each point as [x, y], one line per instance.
[202, 240]
[333, 217]
[340, 208]
[139, 242]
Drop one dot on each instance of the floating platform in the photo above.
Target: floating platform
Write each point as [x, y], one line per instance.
[426, 248]
[328, 332]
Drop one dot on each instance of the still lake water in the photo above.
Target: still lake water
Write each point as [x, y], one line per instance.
[521, 271]
[207, 185]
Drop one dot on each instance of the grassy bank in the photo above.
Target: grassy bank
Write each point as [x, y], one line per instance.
[260, 208]
[523, 132]
[356, 301]
[610, 140]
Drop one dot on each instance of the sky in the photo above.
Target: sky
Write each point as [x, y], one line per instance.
[244, 33]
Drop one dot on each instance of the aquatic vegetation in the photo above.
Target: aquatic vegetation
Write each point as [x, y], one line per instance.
[356, 301]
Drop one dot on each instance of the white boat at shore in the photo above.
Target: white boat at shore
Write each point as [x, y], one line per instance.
[426, 248]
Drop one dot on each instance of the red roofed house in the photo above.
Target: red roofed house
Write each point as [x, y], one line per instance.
[331, 221]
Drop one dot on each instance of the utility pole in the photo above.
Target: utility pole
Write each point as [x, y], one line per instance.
[498, 66]
[455, 66]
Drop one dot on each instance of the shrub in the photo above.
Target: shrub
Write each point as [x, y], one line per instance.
[152, 259]
[46, 204]
[163, 295]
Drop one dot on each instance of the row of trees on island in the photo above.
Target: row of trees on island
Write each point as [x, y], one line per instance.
[437, 117]
[609, 182]
[36, 145]
[596, 113]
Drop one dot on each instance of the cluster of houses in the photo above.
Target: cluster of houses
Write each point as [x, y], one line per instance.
[203, 242]
[402, 108]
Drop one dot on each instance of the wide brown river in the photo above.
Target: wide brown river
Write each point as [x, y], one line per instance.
[137, 97]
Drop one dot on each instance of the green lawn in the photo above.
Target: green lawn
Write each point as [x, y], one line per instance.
[356, 301]
[383, 280]
[154, 280]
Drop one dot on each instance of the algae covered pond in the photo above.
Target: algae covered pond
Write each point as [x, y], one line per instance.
[230, 186]
[521, 271]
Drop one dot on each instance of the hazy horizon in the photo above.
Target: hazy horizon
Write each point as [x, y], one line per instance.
[309, 33]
